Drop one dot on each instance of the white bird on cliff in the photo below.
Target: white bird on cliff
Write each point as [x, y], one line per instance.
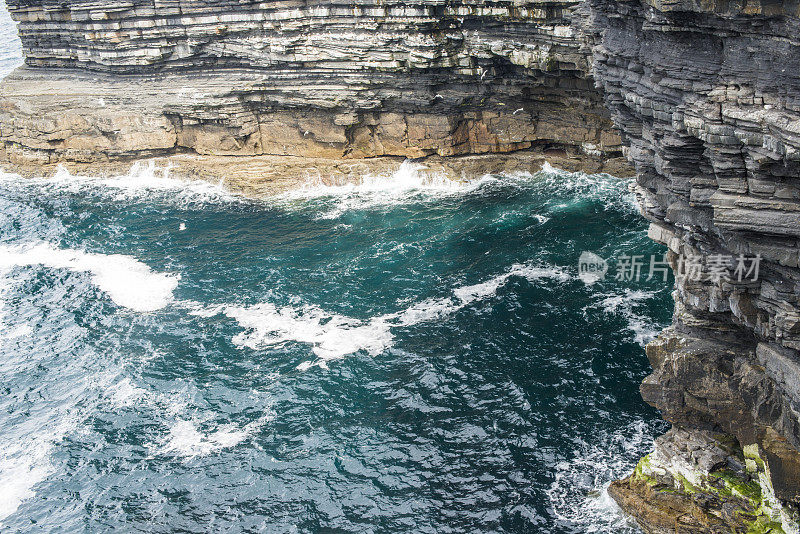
[518, 110]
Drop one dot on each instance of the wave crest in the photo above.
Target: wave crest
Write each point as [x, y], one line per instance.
[334, 336]
[127, 281]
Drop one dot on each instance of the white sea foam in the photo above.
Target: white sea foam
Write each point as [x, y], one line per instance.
[413, 182]
[186, 437]
[26, 446]
[410, 182]
[614, 302]
[434, 309]
[27, 443]
[68, 379]
[409, 177]
[579, 492]
[469, 294]
[624, 304]
[127, 281]
[19, 331]
[613, 192]
[124, 393]
[25, 463]
[143, 181]
[191, 428]
[333, 336]
[17, 478]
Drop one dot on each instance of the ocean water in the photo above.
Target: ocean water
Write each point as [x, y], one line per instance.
[400, 355]
[10, 46]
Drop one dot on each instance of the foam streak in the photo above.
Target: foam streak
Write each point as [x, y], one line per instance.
[129, 282]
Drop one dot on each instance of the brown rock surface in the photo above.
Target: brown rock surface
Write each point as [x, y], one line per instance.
[116, 81]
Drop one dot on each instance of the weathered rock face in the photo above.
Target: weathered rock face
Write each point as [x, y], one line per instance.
[707, 98]
[127, 79]
[705, 95]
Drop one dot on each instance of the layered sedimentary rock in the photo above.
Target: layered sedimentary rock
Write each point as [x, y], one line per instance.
[706, 96]
[707, 99]
[115, 80]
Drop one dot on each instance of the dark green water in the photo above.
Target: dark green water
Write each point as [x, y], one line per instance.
[394, 357]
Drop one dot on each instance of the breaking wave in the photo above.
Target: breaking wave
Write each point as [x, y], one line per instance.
[579, 493]
[333, 336]
[127, 281]
[415, 183]
[411, 182]
[145, 181]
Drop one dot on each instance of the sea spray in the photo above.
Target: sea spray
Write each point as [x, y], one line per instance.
[334, 336]
[425, 358]
[128, 282]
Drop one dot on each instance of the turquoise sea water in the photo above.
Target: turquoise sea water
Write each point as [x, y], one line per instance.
[404, 355]
[391, 357]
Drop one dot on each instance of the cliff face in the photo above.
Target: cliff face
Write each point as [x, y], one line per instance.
[129, 79]
[707, 97]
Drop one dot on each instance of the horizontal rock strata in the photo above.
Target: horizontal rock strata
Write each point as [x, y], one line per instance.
[109, 81]
[707, 98]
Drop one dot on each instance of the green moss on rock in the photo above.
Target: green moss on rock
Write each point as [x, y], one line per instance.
[763, 525]
[739, 487]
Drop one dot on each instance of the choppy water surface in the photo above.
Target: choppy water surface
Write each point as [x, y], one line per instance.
[398, 356]
[10, 46]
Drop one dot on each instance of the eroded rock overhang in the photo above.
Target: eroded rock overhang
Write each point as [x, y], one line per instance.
[114, 81]
[705, 96]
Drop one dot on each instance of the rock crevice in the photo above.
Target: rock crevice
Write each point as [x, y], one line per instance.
[702, 97]
[707, 99]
